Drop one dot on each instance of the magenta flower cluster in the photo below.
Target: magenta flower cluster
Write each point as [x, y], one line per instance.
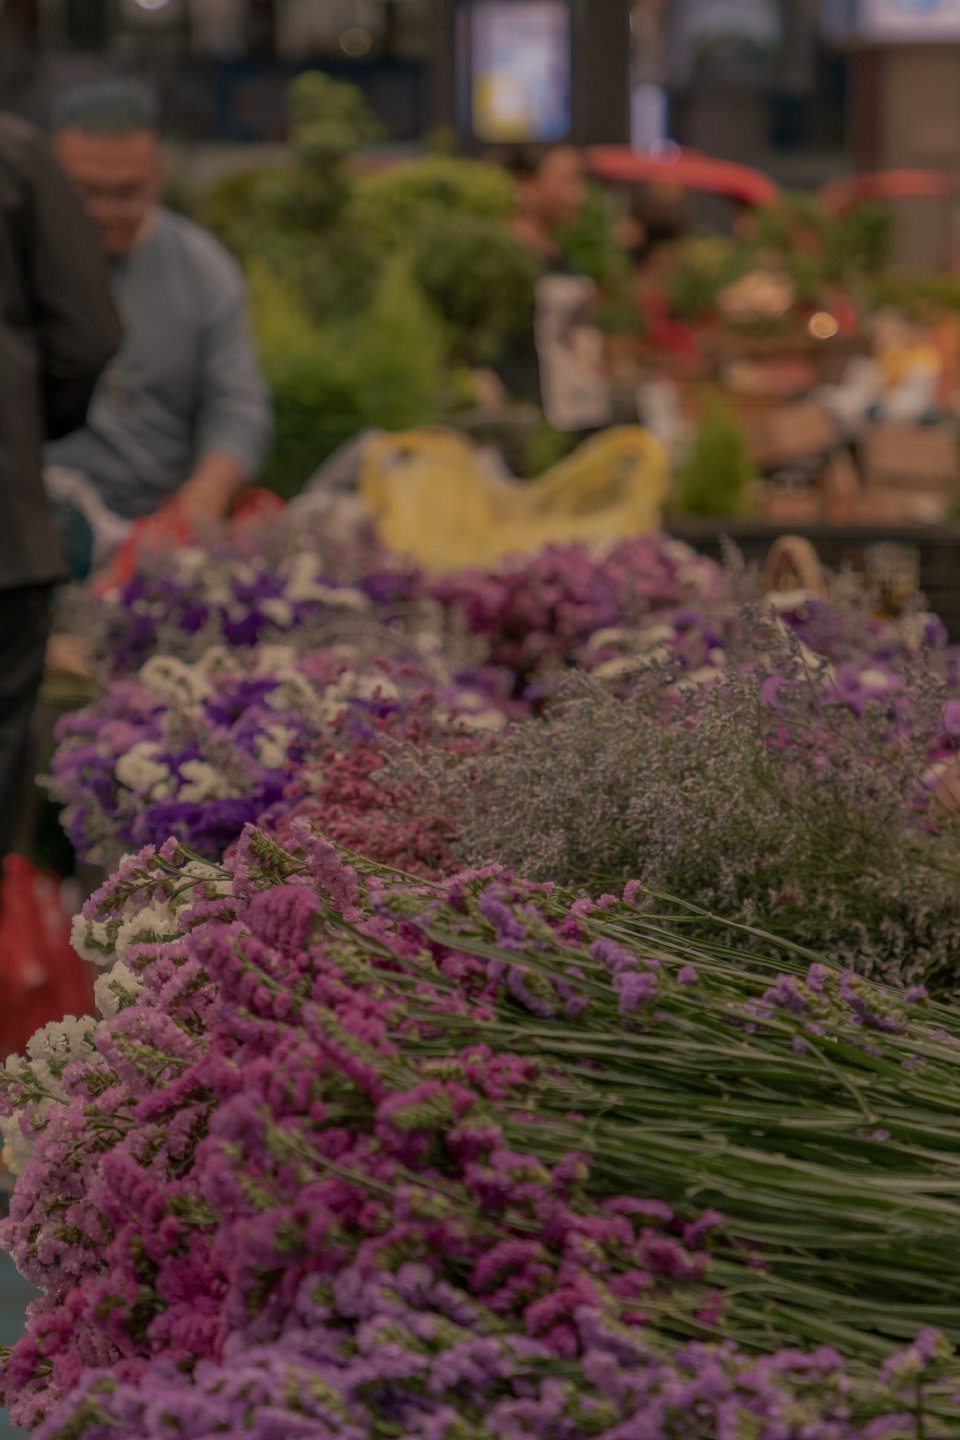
[299, 1181]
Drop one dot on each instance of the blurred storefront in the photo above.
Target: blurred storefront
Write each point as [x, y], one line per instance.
[222, 66]
[905, 109]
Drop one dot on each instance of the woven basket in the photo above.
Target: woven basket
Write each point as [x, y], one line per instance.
[792, 564]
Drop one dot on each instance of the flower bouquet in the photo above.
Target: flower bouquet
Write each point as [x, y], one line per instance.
[348, 1155]
[200, 749]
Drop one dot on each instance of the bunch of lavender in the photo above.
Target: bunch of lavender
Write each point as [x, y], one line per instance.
[785, 793]
[199, 750]
[347, 1155]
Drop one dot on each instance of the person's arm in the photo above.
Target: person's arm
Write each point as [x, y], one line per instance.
[234, 419]
[77, 327]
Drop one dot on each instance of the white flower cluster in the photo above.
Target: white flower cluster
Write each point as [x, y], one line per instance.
[156, 921]
[92, 940]
[49, 1052]
[142, 771]
[303, 584]
[177, 681]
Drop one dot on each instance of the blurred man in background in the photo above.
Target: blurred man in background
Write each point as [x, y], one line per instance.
[58, 330]
[551, 192]
[184, 409]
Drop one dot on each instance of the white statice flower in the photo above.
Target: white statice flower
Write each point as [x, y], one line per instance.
[699, 575]
[678, 551]
[217, 660]
[203, 782]
[657, 640]
[912, 630]
[294, 692]
[156, 920]
[192, 563]
[782, 601]
[49, 1052]
[278, 610]
[91, 940]
[699, 678]
[370, 687]
[273, 746]
[140, 769]
[876, 680]
[304, 585]
[59, 1044]
[218, 592]
[483, 722]
[17, 1149]
[626, 665]
[611, 639]
[275, 660]
[175, 680]
[115, 990]
[244, 573]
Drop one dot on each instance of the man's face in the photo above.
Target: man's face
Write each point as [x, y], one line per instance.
[119, 178]
[559, 191]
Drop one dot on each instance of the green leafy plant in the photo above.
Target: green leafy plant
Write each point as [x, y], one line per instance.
[332, 380]
[390, 204]
[716, 480]
[478, 278]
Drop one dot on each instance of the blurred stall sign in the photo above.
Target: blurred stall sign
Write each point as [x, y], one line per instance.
[521, 70]
[728, 41]
[908, 21]
[573, 375]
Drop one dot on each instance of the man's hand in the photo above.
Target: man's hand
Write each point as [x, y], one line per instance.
[208, 495]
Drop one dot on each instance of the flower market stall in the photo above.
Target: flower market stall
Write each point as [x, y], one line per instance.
[526, 949]
[524, 1005]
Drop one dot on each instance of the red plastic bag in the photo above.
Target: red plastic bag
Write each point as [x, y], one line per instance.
[42, 978]
[167, 529]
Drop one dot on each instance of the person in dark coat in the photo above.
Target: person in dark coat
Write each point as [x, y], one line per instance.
[58, 332]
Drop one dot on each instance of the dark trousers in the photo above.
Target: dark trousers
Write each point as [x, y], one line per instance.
[24, 630]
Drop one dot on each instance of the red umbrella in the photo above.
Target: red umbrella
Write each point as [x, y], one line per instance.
[843, 195]
[687, 169]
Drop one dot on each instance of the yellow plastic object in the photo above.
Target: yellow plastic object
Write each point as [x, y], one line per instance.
[433, 500]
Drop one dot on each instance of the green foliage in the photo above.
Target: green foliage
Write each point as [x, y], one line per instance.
[704, 266]
[332, 380]
[546, 448]
[865, 239]
[716, 480]
[590, 246]
[330, 121]
[479, 279]
[812, 248]
[391, 204]
[329, 235]
[915, 294]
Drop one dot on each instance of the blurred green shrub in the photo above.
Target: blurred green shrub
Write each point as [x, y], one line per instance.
[717, 478]
[331, 380]
[480, 281]
[389, 205]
